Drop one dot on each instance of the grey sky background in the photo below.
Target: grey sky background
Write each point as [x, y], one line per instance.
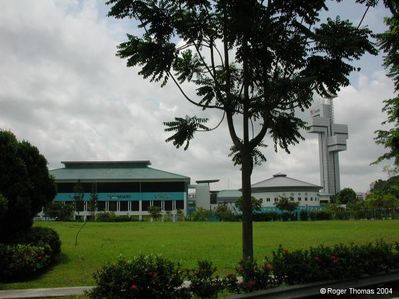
[63, 89]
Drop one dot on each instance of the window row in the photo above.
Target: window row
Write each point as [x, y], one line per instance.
[124, 206]
[120, 187]
[276, 199]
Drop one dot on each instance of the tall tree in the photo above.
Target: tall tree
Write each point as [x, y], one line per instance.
[255, 61]
[389, 44]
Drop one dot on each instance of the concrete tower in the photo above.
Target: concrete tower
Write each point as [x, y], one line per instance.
[332, 139]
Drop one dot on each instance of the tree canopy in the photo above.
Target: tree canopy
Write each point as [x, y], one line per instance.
[257, 62]
[25, 184]
[346, 196]
[388, 42]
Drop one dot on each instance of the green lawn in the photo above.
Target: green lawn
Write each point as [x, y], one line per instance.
[188, 242]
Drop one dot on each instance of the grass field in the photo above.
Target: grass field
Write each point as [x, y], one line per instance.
[187, 242]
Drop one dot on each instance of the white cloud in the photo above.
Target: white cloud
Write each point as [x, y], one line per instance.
[65, 91]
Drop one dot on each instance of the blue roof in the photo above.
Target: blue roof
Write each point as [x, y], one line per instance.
[113, 171]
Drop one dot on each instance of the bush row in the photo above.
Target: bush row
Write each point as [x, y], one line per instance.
[29, 254]
[157, 277]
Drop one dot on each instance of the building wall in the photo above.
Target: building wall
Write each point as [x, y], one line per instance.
[305, 198]
[126, 198]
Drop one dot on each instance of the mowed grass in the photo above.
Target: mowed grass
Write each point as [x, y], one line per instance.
[188, 242]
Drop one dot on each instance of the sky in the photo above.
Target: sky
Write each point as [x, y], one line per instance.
[63, 89]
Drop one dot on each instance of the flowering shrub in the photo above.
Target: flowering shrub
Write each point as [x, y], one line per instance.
[203, 282]
[41, 236]
[21, 261]
[333, 263]
[250, 277]
[145, 276]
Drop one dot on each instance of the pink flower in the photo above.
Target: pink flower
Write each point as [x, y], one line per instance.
[134, 287]
[317, 259]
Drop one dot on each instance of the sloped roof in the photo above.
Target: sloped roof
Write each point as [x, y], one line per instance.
[113, 171]
[281, 181]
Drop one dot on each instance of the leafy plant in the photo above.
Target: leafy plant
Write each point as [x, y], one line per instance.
[145, 276]
[203, 282]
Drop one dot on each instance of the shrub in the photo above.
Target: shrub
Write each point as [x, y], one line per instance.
[111, 217]
[320, 215]
[333, 263]
[201, 214]
[59, 211]
[203, 282]
[252, 277]
[41, 236]
[22, 261]
[142, 277]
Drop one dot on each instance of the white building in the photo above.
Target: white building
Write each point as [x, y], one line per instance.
[272, 189]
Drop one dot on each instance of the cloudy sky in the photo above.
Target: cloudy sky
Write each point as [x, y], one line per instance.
[63, 89]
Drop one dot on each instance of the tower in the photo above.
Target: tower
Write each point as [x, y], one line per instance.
[332, 140]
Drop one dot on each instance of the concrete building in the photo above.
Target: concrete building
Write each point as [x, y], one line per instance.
[269, 191]
[332, 140]
[122, 187]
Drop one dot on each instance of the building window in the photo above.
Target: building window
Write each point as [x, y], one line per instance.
[306, 199]
[123, 206]
[145, 205]
[299, 199]
[268, 199]
[168, 205]
[291, 198]
[135, 205]
[179, 204]
[275, 199]
[112, 206]
[311, 198]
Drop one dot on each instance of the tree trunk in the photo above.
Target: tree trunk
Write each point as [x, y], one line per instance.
[247, 231]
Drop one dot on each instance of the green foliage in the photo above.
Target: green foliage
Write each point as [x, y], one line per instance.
[250, 277]
[225, 214]
[256, 204]
[346, 196]
[60, 211]
[111, 217]
[20, 262]
[203, 282]
[185, 129]
[388, 42]
[41, 236]
[390, 186]
[286, 204]
[378, 200]
[339, 262]
[155, 212]
[24, 182]
[201, 214]
[145, 276]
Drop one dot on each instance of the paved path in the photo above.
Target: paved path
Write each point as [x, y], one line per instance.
[41, 293]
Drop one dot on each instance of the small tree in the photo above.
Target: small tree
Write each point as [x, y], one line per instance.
[346, 196]
[78, 197]
[285, 204]
[254, 61]
[155, 212]
[59, 210]
[255, 203]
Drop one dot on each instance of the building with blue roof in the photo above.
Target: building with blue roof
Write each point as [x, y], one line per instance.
[122, 187]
